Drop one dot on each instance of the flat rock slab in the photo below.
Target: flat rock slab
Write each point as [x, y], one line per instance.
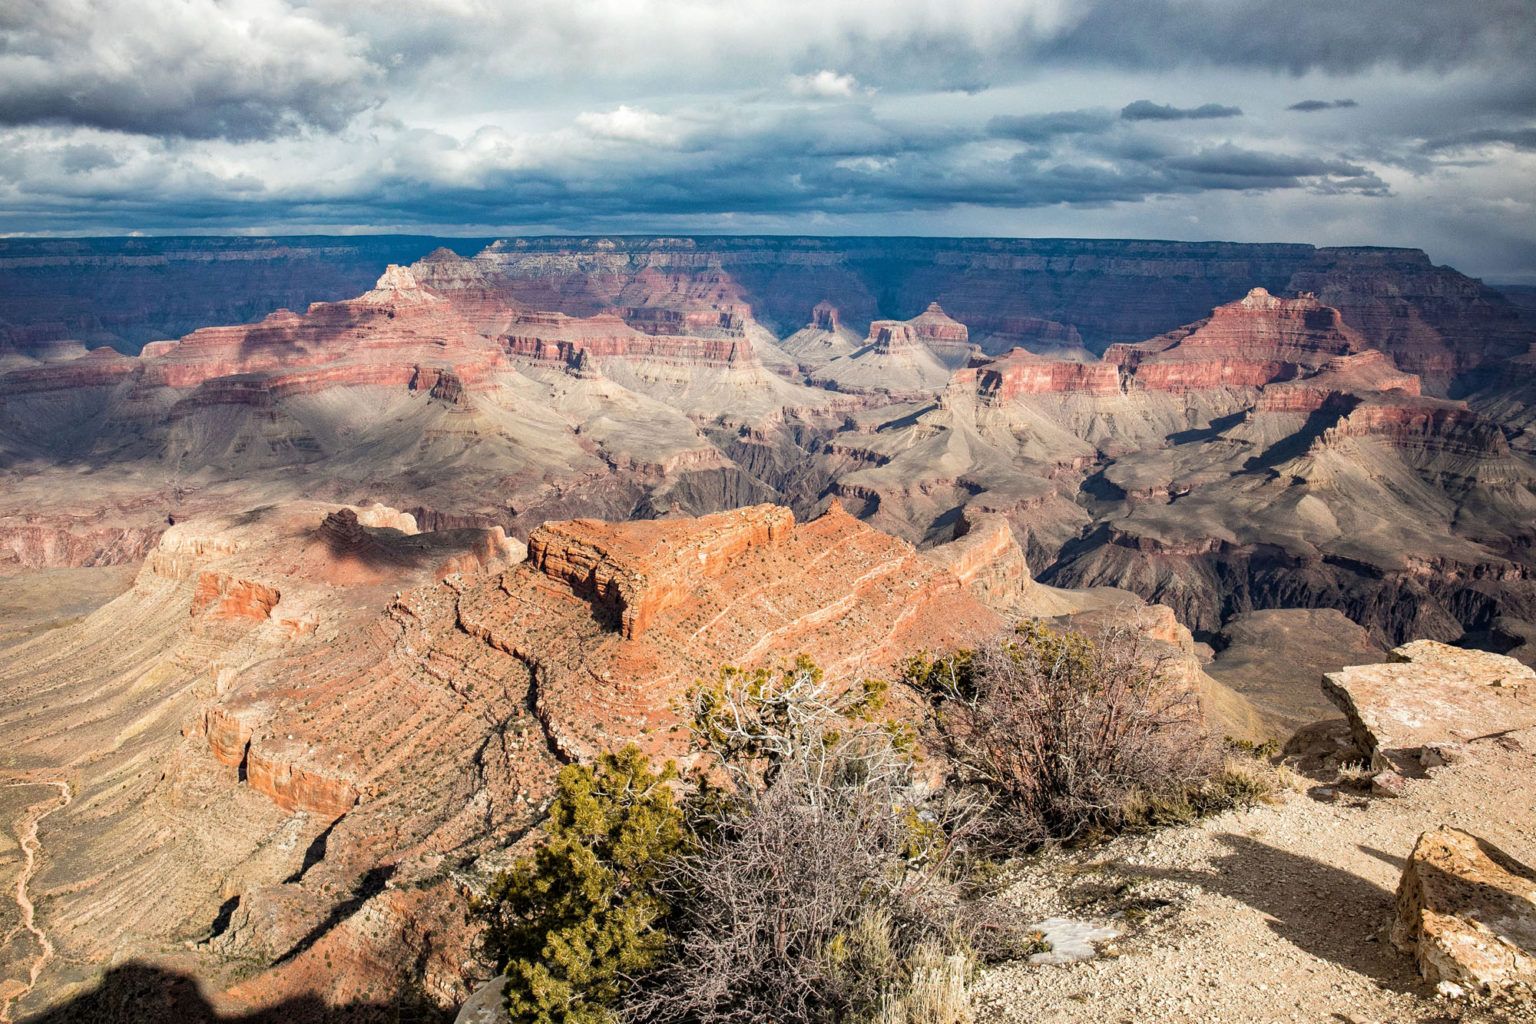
[1431, 693]
[486, 1005]
[1466, 912]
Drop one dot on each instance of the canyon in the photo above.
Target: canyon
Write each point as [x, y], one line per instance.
[306, 728]
[1261, 451]
[332, 552]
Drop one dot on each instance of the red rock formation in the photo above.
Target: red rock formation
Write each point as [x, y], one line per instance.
[73, 544]
[1021, 372]
[1434, 322]
[278, 768]
[947, 337]
[1425, 425]
[564, 340]
[102, 367]
[892, 337]
[639, 569]
[228, 734]
[381, 337]
[1258, 340]
[219, 596]
[764, 590]
[1366, 373]
[1261, 340]
[988, 560]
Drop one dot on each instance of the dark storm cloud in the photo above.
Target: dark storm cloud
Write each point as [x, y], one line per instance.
[216, 114]
[198, 69]
[1312, 106]
[1146, 110]
[1522, 138]
[1298, 36]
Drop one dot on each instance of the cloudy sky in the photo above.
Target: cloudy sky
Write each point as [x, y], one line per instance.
[1395, 122]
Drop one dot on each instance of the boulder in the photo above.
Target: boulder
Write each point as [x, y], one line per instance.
[1466, 912]
[1431, 694]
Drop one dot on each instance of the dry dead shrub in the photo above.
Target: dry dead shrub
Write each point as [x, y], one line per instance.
[815, 885]
[1067, 731]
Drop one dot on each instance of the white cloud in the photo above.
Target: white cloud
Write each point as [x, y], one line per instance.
[825, 85]
[630, 124]
[194, 68]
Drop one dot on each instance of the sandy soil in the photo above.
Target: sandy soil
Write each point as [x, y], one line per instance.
[37, 600]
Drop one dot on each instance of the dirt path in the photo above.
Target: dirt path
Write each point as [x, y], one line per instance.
[30, 847]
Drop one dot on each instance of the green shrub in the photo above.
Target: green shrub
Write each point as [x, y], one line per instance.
[569, 924]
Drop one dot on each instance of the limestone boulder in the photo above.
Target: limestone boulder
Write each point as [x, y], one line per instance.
[1466, 912]
[1431, 694]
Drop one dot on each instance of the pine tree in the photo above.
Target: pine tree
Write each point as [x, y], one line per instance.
[570, 923]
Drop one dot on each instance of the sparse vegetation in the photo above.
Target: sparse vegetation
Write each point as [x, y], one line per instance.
[815, 886]
[1070, 735]
[812, 873]
[572, 923]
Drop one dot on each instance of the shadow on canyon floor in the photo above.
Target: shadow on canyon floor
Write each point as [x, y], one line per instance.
[138, 993]
[1329, 912]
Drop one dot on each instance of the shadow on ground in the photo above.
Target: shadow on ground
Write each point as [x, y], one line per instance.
[1328, 912]
[137, 993]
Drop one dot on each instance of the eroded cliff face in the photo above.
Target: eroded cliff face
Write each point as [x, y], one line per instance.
[220, 719]
[1261, 457]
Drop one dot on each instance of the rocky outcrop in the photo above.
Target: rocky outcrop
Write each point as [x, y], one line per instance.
[220, 596]
[637, 570]
[678, 599]
[892, 361]
[1021, 372]
[1258, 340]
[567, 341]
[824, 317]
[280, 769]
[73, 543]
[1466, 913]
[384, 336]
[1435, 322]
[987, 559]
[946, 337]
[1429, 694]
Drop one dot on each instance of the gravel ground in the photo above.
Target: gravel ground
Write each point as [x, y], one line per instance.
[1276, 913]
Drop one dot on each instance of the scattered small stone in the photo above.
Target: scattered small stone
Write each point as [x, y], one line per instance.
[1450, 990]
[1389, 784]
[1438, 755]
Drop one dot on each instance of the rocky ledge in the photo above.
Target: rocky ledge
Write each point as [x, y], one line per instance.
[1429, 696]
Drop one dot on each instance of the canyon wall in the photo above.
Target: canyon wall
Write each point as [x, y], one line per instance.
[1046, 293]
[125, 292]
